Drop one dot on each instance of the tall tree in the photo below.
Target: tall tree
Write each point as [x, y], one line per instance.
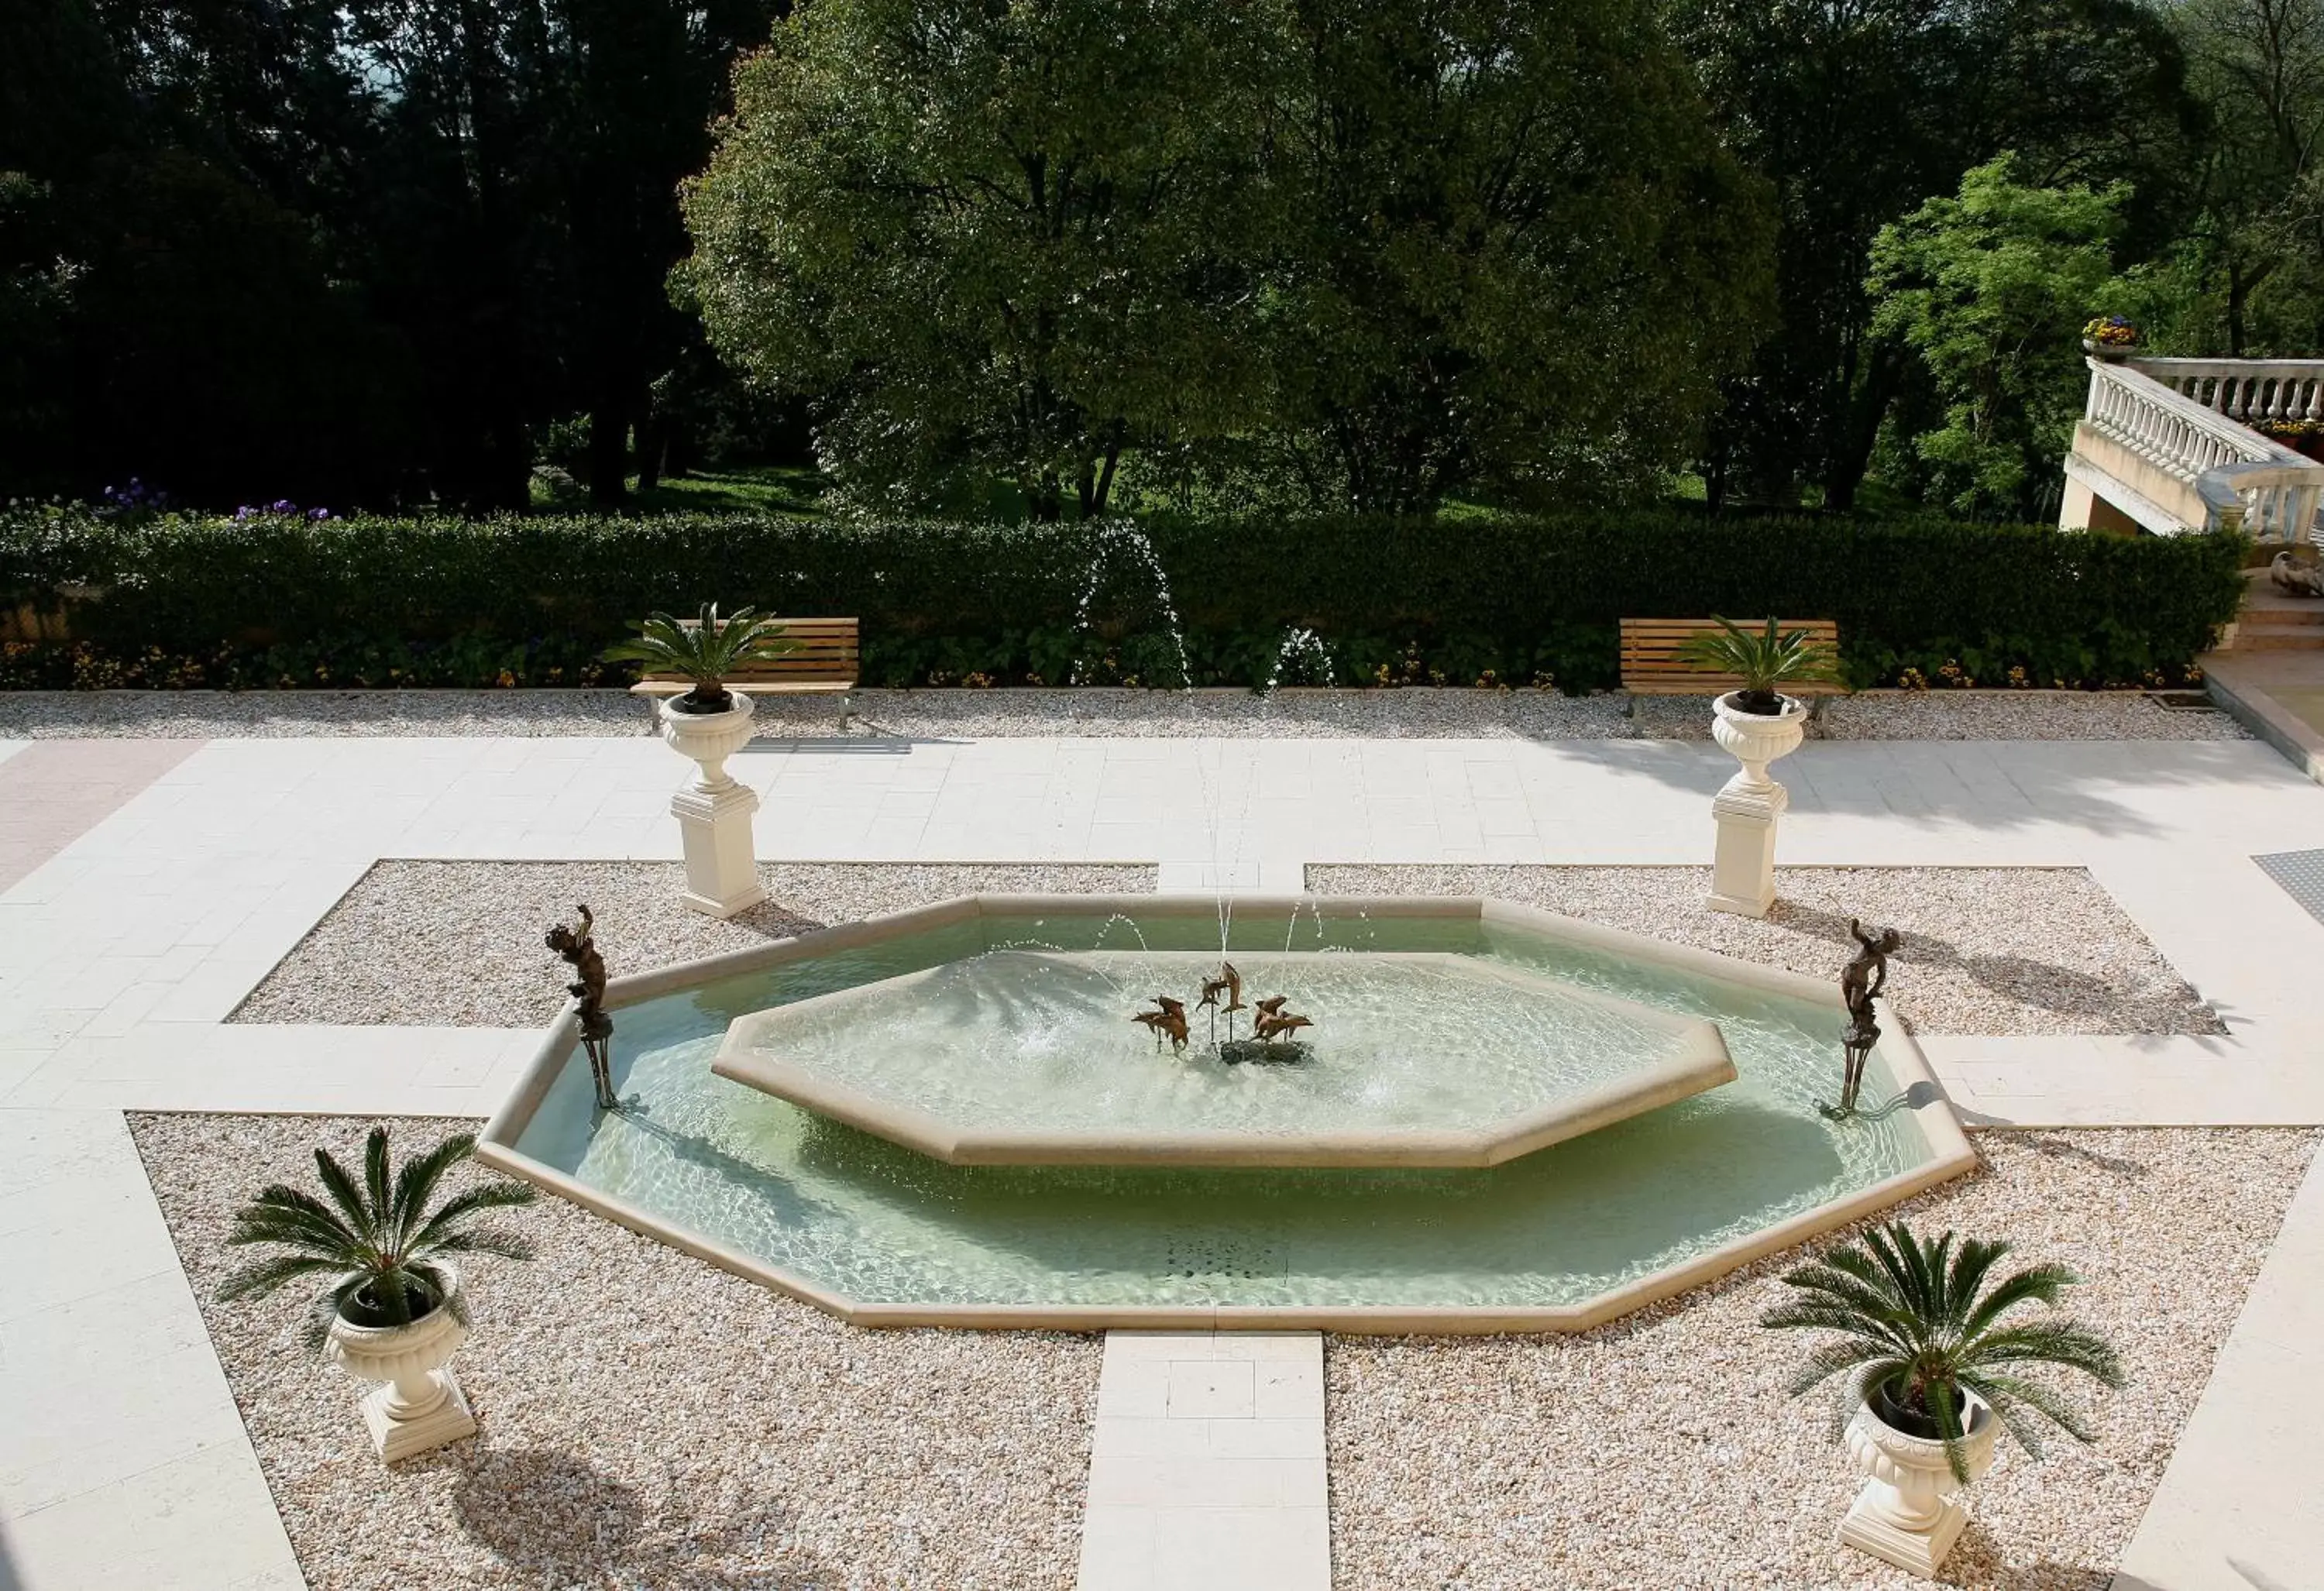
[1012, 241]
[1988, 287]
[1519, 259]
[1857, 110]
[2258, 66]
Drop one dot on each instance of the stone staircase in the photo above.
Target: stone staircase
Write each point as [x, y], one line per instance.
[2271, 621]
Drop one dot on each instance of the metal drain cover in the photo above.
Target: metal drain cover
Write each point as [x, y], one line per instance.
[2300, 873]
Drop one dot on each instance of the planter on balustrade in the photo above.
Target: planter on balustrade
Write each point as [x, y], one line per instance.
[2112, 353]
[714, 812]
[1746, 807]
[1907, 1512]
[418, 1405]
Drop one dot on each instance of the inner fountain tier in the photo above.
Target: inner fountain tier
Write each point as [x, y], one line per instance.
[1033, 1057]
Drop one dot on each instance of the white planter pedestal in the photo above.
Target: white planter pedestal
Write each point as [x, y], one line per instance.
[1906, 1513]
[1743, 865]
[714, 812]
[420, 1405]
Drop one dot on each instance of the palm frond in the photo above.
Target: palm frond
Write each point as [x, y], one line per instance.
[288, 1216]
[2015, 1394]
[441, 1226]
[484, 1240]
[341, 1186]
[375, 1183]
[260, 1277]
[2050, 1342]
[2038, 1284]
[417, 1181]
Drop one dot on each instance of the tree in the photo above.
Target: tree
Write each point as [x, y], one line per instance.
[1857, 110]
[1519, 260]
[1990, 288]
[994, 241]
[2258, 66]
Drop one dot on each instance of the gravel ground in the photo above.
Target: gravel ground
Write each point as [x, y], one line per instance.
[647, 1420]
[1405, 713]
[1986, 950]
[459, 944]
[1660, 1450]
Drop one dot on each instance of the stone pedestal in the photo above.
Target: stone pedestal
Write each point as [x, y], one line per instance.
[722, 862]
[1743, 868]
[1906, 1513]
[405, 1421]
[714, 813]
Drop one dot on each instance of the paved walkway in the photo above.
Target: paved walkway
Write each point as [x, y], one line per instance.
[140, 915]
[1206, 1466]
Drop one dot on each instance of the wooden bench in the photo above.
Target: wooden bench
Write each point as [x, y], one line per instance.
[823, 661]
[1652, 666]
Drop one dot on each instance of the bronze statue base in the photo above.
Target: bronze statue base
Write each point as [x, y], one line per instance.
[1285, 1051]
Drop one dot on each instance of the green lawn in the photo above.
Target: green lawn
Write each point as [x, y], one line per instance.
[779, 489]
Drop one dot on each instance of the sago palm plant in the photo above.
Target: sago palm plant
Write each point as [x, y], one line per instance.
[706, 653]
[376, 1244]
[1762, 660]
[1919, 1321]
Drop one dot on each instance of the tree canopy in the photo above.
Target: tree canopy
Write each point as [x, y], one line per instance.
[1400, 251]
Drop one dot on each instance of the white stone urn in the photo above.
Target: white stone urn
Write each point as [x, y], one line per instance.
[714, 812]
[1906, 1514]
[1743, 867]
[420, 1404]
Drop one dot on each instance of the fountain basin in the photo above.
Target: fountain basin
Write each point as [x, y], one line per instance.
[1017, 1057]
[1563, 1239]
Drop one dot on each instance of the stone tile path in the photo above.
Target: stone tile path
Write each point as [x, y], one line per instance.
[149, 897]
[2240, 1508]
[1207, 1468]
[123, 1460]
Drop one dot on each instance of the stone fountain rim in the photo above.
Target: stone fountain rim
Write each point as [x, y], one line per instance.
[1922, 1099]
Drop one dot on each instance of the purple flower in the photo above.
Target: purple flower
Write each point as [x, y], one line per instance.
[319, 514]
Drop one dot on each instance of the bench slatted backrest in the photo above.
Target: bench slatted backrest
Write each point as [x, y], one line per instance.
[824, 652]
[1651, 664]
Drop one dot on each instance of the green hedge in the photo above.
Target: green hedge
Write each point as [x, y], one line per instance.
[278, 601]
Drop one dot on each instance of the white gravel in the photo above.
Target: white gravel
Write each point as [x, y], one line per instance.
[1392, 714]
[1660, 1450]
[1986, 950]
[647, 1420]
[459, 944]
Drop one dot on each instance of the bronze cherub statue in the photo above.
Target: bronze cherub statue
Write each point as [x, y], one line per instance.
[579, 949]
[1860, 983]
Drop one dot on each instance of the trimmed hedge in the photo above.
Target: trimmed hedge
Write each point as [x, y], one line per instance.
[279, 601]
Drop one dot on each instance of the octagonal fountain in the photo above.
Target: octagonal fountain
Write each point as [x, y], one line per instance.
[1498, 1119]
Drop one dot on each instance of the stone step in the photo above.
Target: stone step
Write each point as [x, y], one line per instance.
[2272, 636]
[2273, 608]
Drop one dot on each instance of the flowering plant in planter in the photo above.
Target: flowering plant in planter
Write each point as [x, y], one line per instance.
[2110, 334]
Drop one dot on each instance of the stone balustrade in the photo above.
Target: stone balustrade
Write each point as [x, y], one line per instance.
[2171, 453]
[2250, 391]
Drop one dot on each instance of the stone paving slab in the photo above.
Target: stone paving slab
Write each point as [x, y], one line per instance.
[2239, 1509]
[123, 1459]
[1206, 1468]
